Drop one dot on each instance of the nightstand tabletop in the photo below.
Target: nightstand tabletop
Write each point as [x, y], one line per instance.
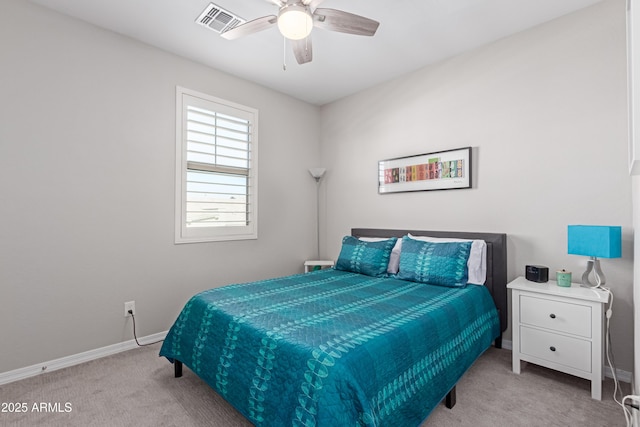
[322, 262]
[551, 288]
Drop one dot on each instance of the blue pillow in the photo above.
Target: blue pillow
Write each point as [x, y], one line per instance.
[370, 258]
[443, 264]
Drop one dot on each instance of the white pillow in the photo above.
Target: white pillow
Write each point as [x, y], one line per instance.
[477, 263]
[394, 259]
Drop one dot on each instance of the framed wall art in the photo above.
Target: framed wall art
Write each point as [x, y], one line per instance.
[441, 170]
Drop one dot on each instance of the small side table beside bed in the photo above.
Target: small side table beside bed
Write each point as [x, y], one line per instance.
[313, 265]
[560, 328]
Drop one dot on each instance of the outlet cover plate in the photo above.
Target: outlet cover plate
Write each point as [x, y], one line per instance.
[130, 305]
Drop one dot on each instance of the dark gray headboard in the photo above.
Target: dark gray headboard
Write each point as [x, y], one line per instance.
[496, 258]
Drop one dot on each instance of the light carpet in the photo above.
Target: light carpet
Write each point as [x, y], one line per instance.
[137, 388]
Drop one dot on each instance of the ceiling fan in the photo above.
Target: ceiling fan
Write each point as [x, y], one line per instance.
[296, 19]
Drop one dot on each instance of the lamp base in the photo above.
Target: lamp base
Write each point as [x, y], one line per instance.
[593, 265]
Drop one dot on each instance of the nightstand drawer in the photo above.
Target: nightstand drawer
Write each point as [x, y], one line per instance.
[559, 316]
[567, 351]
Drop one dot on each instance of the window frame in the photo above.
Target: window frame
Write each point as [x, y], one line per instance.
[184, 234]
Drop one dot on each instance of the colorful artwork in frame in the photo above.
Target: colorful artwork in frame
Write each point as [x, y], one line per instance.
[441, 170]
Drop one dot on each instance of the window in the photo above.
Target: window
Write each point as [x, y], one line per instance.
[216, 169]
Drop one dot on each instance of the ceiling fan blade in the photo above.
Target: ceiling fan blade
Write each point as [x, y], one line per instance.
[302, 50]
[312, 3]
[278, 3]
[344, 22]
[250, 27]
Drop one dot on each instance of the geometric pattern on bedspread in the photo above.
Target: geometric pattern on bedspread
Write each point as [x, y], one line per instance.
[333, 348]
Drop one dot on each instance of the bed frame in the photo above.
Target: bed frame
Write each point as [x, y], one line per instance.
[496, 281]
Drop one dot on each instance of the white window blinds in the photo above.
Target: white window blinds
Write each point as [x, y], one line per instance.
[218, 174]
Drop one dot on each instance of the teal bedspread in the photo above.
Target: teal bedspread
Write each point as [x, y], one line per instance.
[333, 348]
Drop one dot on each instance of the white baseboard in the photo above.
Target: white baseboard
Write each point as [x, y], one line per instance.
[624, 376]
[76, 359]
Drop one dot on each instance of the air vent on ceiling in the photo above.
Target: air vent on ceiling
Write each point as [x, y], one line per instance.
[218, 19]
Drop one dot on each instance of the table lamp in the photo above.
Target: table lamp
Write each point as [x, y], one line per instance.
[594, 241]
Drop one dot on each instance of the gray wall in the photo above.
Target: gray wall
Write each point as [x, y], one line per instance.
[545, 111]
[87, 160]
[87, 170]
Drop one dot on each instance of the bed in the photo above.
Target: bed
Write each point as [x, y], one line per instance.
[352, 345]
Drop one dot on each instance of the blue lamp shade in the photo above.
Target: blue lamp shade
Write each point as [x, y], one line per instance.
[599, 241]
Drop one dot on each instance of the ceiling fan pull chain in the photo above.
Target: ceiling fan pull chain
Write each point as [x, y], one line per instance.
[284, 54]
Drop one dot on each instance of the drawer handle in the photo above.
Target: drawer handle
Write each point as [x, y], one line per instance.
[553, 316]
[552, 348]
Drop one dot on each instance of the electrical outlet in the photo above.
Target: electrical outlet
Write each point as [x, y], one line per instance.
[131, 305]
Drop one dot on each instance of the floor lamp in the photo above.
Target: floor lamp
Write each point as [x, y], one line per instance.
[317, 174]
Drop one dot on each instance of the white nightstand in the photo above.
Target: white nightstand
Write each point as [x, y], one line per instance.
[559, 328]
[309, 265]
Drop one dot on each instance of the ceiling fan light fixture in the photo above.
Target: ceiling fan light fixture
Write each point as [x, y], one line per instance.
[295, 22]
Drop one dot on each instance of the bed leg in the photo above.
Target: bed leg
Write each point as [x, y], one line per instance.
[498, 342]
[450, 399]
[177, 368]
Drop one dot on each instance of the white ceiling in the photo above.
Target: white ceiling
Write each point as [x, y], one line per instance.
[412, 34]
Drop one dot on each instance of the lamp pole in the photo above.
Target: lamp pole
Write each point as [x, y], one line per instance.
[317, 174]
